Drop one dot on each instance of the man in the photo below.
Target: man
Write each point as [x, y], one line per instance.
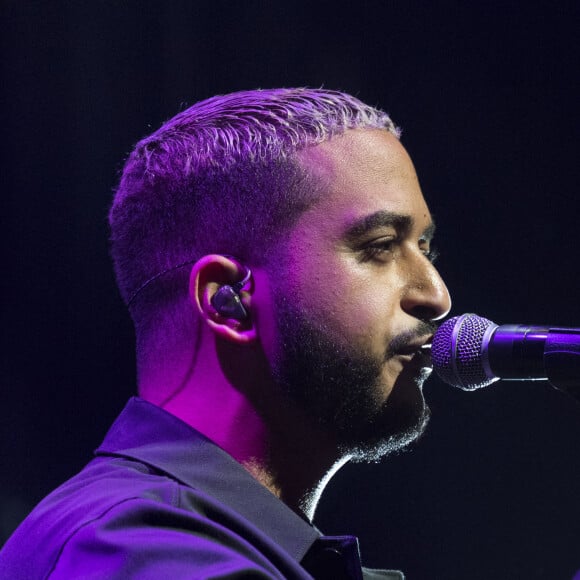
[274, 249]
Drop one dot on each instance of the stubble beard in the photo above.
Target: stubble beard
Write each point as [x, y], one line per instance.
[341, 388]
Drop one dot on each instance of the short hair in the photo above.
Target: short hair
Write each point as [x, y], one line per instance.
[221, 177]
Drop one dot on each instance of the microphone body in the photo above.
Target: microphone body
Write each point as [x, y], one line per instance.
[471, 352]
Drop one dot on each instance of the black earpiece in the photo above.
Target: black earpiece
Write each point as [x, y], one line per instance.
[227, 301]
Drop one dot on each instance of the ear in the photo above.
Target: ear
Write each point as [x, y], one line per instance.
[208, 275]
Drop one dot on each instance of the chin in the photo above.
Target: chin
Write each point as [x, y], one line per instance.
[383, 446]
[396, 422]
[402, 420]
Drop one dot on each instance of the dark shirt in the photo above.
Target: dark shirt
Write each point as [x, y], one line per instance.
[162, 501]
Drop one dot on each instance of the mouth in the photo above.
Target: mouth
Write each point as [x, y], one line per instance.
[418, 351]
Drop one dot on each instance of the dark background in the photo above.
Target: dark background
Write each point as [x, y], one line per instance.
[487, 94]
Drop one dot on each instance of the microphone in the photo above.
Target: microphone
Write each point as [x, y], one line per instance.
[471, 352]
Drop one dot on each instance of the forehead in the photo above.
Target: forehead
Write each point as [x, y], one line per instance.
[362, 172]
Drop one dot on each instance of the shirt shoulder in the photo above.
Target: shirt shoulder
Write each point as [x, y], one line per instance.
[122, 518]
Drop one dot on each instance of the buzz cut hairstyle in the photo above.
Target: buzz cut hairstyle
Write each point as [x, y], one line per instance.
[221, 177]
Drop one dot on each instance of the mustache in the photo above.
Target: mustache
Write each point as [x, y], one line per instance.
[401, 342]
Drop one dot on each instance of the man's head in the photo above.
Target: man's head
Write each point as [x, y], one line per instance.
[313, 191]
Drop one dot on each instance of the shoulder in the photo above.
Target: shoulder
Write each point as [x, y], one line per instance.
[85, 500]
[125, 519]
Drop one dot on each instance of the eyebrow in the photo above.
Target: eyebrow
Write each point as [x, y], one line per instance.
[382, 218]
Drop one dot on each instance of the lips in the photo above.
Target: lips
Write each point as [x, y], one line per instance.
[417, 350]
[413, 347]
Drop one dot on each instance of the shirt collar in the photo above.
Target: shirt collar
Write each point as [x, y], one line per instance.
[153, 436]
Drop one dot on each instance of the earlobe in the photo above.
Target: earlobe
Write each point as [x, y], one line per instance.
[215, 289]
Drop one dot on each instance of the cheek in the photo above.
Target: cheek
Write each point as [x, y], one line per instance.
[370, 309]
[347, 299]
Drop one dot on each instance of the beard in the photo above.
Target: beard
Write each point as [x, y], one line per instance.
[341, 387]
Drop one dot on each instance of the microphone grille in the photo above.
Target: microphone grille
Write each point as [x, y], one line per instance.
[456, 352]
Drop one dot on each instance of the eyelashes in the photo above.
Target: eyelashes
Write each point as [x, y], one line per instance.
[377, 249]
[384, 249]
[433, 254]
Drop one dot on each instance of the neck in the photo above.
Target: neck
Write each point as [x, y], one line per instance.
[303, 490]
[252, 420]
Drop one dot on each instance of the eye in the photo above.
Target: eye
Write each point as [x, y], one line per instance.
[379, 248]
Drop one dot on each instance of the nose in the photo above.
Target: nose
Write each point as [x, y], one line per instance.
[426, 296]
